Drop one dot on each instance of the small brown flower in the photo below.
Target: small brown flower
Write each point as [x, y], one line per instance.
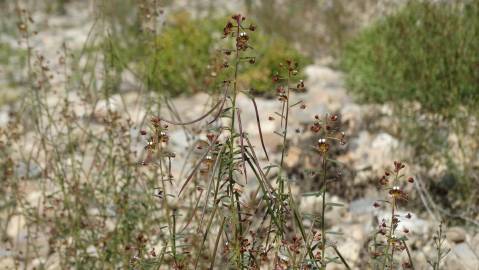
[211, 137]
[397, 193]
[323, 146]
[208, 160]
[383, 181]
[398, 166]
[282, 97]
[164, 137]
[300, 85]
[393, 239]
[238, 18]
[275, 78]
[242, 41]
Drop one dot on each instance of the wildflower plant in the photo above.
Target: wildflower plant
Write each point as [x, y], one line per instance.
[327, 131]
[388, 241]
[221, 170]
[132, 208]
[439, 240]
[264, 227]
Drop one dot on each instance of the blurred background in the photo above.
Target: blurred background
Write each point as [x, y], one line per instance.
[403, 76]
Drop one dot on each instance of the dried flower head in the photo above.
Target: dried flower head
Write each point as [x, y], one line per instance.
[228, 29]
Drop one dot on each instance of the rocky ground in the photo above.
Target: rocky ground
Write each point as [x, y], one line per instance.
[363, 159]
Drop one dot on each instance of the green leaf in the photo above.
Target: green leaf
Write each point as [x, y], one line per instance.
[313, 193]
[335, 204]
[334, 233]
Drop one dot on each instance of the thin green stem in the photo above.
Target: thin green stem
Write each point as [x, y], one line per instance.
[235, 195]
[391, 233]
[323, 212]
[285, 115]
[218, 237]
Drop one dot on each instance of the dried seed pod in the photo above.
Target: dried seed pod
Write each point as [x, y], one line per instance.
[228, 29]
[316, 127]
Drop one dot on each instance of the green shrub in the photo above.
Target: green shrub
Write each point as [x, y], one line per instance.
[270, 51]
[426, 52]
[183, 58]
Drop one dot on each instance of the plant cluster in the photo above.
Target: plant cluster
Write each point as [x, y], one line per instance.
[85, 195]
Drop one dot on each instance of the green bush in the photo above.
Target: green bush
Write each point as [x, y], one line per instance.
[185, 58]
[425, 52]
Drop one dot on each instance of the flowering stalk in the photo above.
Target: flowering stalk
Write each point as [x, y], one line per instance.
[241, 44]
[330, 133]
[396, 194]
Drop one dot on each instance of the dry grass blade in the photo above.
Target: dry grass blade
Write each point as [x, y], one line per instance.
[218, 237]
[220, 104]
[341, 257]
[195, 169]
[256, 163]
[259, 128]
[408, 255]
[243, 156]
